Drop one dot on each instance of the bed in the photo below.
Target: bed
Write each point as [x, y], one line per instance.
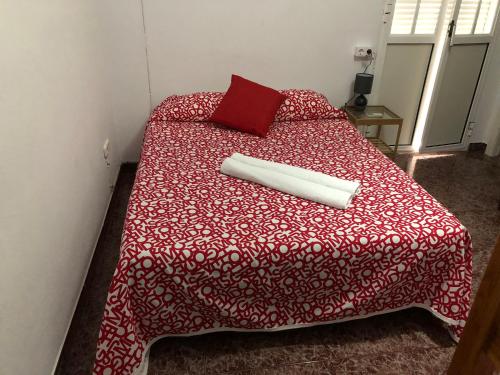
[204, 252]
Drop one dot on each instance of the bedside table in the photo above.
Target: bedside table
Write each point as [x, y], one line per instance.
[367, 118]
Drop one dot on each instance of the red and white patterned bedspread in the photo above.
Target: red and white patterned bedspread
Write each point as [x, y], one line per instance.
[202, 251]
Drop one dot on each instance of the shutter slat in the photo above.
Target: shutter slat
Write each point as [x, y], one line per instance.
[428, 15]
[405, 12]
[404, 15]
[486, 17]
[466, 17]
[474, 16]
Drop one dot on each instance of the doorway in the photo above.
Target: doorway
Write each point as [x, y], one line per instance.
[435, 52]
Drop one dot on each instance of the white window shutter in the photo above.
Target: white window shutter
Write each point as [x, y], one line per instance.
[476, 17]
[420, 17]
[415, 17]
[486, 16]
[467, 17]
[404, 16]
[427, 16]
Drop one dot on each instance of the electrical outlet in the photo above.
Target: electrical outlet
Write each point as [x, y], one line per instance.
[364, 52]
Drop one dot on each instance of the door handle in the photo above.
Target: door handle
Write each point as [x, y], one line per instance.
[451, 29]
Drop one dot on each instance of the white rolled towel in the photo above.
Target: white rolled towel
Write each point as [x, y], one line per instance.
[351, 187]
[287, 184]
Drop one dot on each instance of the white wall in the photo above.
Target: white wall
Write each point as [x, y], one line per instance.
[493, 137]
[195, 45]
[59, 98]
[130, 92]
[55, 113]
[487, 115]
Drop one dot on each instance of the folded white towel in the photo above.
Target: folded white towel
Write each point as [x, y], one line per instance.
[352, 187]
[287, 184]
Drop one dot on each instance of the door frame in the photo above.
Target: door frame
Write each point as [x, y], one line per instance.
[385, 39]
[438, 63]
[487, 39]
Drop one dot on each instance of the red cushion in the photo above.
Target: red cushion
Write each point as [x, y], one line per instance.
[191, 107]
[248, 106]
[303, 105]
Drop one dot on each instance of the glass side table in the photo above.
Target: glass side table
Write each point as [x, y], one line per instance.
[377, 115]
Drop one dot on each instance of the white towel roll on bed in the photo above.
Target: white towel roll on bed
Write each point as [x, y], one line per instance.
[287, 184]
[351, 187]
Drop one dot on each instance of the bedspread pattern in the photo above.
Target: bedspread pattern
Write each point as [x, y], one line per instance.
[203, 251]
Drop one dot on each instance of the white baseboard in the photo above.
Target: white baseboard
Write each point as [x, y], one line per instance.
[449, 148]
[85, 274]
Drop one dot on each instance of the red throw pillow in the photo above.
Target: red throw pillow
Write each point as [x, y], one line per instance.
[248, 106]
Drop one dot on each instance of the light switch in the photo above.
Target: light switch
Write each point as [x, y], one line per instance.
[105, 149]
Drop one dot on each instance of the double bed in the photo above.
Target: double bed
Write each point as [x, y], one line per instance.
[204, 252]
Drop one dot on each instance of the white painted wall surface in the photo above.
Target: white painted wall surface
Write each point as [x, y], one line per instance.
[196, 45]
[55, 113]
[493, 137]
[487, 115]
[126, 45]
